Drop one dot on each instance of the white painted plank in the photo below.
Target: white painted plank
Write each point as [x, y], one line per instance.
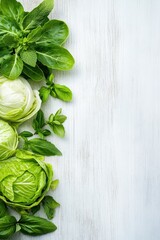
[109, 171]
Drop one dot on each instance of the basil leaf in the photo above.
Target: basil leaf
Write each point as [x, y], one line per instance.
[55, 32]
[35, 226]
[26, 134]
[54, 184]
[49, 205]
[29, 57]
[8, 26]
[43, 147]
[58, 129]
[7, 226]
[55, 57]
[60, 118]
[37, 15]
[58, 112]
[46, 132]
[3, 209]
[10, 40]
[12, 67]
[40, 119]
[12, 8]
[62, 92]
[44, 93]
[34, 35]
[34, 73]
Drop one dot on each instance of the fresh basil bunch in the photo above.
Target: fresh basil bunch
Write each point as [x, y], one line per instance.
[30, 43]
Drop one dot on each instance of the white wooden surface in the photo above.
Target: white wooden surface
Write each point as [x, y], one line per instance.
[110, 170]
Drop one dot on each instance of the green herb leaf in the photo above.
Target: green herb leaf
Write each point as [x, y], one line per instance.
[54, 184]
[55, 57]
[44, 93]
[3, 209]
[43, 147]
[12, 67]
[12, 8]
[26, 134]
[62, 92]
[55, 123]
[29, 57]
[60, 118]
[58, 130]
[53, 32]
[7, 226]
[10, 40]
[35, 35]
[46, 132]
[8, 26]
[35, 226]
[37, 15]
[34, 73]
[40, 119]
[49, 205]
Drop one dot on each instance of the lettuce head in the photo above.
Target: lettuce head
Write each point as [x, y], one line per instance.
[24, 180]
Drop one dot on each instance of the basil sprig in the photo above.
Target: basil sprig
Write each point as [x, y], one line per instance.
[55, 90]
[30, 41]
[40, 145]
[35, 226]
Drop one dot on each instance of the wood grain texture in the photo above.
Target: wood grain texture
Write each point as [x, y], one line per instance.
[110, 170]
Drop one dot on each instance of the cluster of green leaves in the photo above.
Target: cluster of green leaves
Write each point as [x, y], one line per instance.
[55, 90]
[55, 122]
[30, 43]
[28, 223]
[41, 145]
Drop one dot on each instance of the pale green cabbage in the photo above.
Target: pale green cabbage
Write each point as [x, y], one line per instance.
[24, 180]
[18, 102]
[8, 140]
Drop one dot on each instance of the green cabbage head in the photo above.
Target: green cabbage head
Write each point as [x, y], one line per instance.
[24, 180]
[18, 102]
[8, 140]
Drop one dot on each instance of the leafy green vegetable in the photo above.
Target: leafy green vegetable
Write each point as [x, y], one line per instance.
[12, 8]
[30, 38]
[62, 92]
[7, 226]
[8, 140]
[35, 226]
[22, 102]
[43, 147]
[49, 205]
[12, 67]
[37, 15]
[53, 32]
[25, 179]
[55, 57]
[29, 57]
[44, 93]
[35, 35]
[34, 73]
[26, 134]
[56, 123]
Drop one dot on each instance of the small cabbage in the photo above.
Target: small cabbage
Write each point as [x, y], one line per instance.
[8, 140]
[24, 180]
[18, 102]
